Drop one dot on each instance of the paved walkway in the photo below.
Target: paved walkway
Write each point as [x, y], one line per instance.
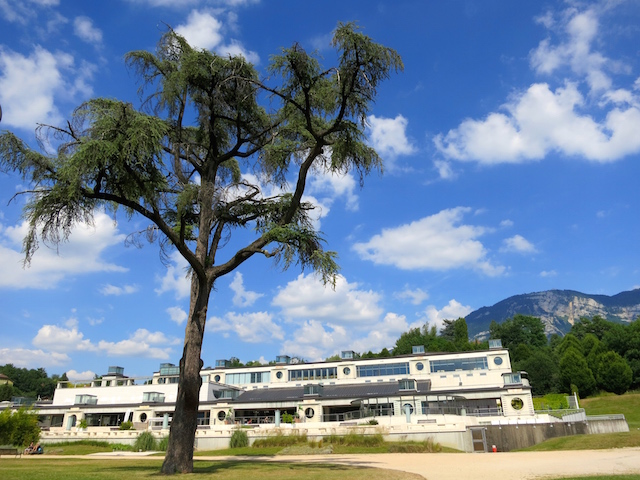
[488, 466]
[460, 466]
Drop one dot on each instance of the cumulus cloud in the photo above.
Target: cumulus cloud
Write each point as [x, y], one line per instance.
[142, 343]
[30, 86]
[544, 119]
[26, 358]
[75, 376]
[23, 11]
[80, 255]
[306, 297]
[415, 297]
[548, 273]
[176, 279]
[177, 314]
[332, 186]
[517, 244]
[62, 340]
[109, 289]
[242, 297]
[389, 137]
[85, 30]
[452, 311]
[253, 327]
[437, 242]
[203, 30]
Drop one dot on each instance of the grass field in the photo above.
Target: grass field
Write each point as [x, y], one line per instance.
[628, 404]
[143, 468]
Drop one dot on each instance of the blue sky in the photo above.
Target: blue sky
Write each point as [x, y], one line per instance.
[511, 144]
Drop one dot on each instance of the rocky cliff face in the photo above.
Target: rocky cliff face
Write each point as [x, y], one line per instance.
[558, 309]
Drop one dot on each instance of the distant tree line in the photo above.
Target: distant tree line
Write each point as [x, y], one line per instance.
[31, 383]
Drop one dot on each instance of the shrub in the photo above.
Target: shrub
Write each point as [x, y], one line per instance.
[356, 440]
[287, 418]
[163, 444]
[19, 428]
[126, 425]
[145, 442]
[279, 439]
[239, 439]
[426, 446]
[373, 421]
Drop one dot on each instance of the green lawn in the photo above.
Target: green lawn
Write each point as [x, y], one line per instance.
[145, 468]
[627, 404]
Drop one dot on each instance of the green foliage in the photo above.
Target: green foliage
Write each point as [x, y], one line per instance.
[279, 439]
[163, 444]
[126, 426]
[83, 423]
[543, 371]
[239, 439]
[613, 374]
[551, 401]
[356, 439]
[520, 329]
[32, 383]
[287, 418]
[145, 442]
[575, 371]
[19, 428]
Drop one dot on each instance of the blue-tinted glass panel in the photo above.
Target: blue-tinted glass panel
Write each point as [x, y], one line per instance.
[453, 364]
[382, 370]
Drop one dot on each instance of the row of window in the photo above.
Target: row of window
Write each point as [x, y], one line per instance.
[448, 365]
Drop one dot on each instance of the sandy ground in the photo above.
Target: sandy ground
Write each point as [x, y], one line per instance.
[492, 466]
[476, 466]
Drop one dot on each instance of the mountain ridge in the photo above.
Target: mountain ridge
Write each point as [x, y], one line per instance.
[558, 309]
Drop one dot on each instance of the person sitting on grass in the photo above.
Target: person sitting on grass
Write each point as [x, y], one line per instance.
[29, 449]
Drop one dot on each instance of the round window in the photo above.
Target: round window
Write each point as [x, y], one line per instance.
[346, 370]
[309, 413]
[517, 403]
[217, 378]
[143, 417]
[278, 375]
[497, 360]
[409, 406]
[419, 365]
[221, 415]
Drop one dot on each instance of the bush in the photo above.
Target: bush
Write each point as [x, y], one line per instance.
[426, 446]
[126, 425]
[239, 439]
[279, 439]
[356, 440]
[163, 444]
[19, 428]
[145, 442]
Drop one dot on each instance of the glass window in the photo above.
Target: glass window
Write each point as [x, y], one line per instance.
[278, 375]
[407, 384]
[453, 364]
[419, 365]
[221, 415]
[517, 403]
[247, 377]
[497, 360]
[512, 379]
[313, 374]
[309, 413]
[381, 370]
[409, 406]
[217, 378]
[346, 371]
[152, 397]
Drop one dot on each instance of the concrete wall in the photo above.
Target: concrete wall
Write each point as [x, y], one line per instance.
[511, 437]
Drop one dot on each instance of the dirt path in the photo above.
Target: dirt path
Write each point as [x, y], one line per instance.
[491, 466]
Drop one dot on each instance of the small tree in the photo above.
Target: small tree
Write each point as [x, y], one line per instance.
[178, 166]
[613, 374]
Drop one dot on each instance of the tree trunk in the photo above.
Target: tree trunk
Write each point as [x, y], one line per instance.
[179, 457]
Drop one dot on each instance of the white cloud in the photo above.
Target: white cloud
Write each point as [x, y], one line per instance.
[437, 242]
[25, 358]
[548, 273]
[306, 297]
[542, 119]
[177, 315]
[388, 136]
[517, 244]
[334, 186]
[254, 327]
[23, 11]
[81, 254]
[177, 278]
[415, 297]
[142, 343]
[62, 340]
[242, 297]
[83, 28]
[579, 31]
[203, 30]
[109, 289]
[31, 86]
[445, 170]
[75, 376]
[452, 311]
[506, 223]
